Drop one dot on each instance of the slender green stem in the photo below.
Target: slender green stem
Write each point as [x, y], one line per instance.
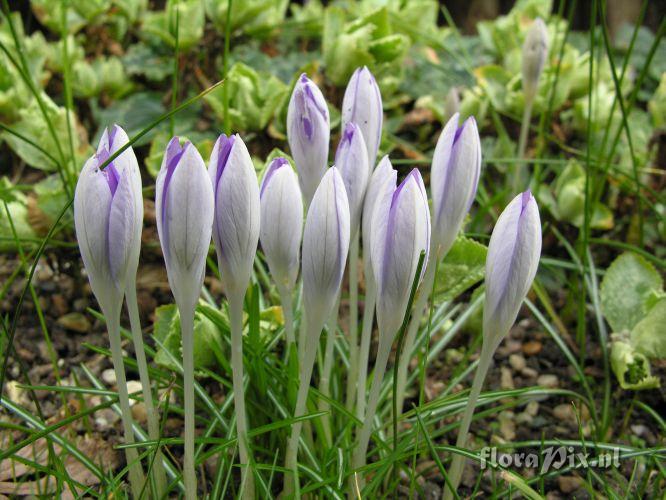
[153, 419]
[518, 174]
[325, 382]
[456, 468]
[136, 476]
[366, 337]
[286, 300]
[352, 377]
[187, 335]
[236, 320]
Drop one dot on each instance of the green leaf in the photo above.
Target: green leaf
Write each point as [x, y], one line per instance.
[17, 204]
[255, 17]
[649, 335]
[186, 15]
[631, 368]
[51, 198]
[626, 289]
[463, 267]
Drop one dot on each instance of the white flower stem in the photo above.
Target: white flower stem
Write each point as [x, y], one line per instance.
[366, 337]
[456, 467]
[518, 174]
[361, 449]
[310, 339]
[187, 335]
[286, 301]
[410, 337]
[153, 420]
[352, 377]
[136, 477]
[236, 320]
[325, 382]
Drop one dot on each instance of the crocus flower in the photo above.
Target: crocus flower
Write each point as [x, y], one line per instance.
[325, 245]
[362, 104]
[451, 103]
[454, 177]
[400, 232]
[351, 159]
[184, 209]
[535, 52]
[108, 217]
[281, 221]
[511, 264]
[308, 132]
[237, 211]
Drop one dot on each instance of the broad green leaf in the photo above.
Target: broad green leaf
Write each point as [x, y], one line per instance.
[51, 198]
[154, 63]
[17, 203]
[657, 105]
[631, 368]
[649, 335]
[185, 15]
[134, 114]
[463, 267]
[256, 17]
[626, 289]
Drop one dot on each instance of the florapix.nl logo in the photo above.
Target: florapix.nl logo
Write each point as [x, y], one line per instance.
[551, 458]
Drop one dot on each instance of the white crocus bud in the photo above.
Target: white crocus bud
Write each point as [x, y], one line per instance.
[451, 103]
[108, 217]
[308, 133]
[351, 159]
[281, 221]
[184, 208]
[535, 52]
[511, 264]
[400, 232]
[237, 211]
[325, 246]
[362, 104]
[454, 177]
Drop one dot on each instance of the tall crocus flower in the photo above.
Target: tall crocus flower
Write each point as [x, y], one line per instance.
[325, 246]
[280, 232]
[108, 216]
[308, 133]
[454, 177]
[362, 104]
[382, 184]
[400, 232]
[511, 264]
[184, 208]
[236, 233]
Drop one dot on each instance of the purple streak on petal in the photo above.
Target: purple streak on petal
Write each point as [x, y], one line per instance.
[225, 144]
[527, 195]
[307, 127]
[313, 100]
[346, 139]
[272, 168]
[174, 152]
[110, 172]
[378, 99]
[112, 135]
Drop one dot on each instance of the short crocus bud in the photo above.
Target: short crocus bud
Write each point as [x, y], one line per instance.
[281, 221]
[451, 103]
[108, 217]
[535, 52]
[351, 159]
[325, 245]
[237, 211]
[383, 181]
[362, 104]
[184, 209]
[308, 132]
[454, 177]
[400, 232]
[511, 264]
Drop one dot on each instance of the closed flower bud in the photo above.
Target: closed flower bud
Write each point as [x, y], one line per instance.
[325, 246]
[451, 103]
[281, 221]
[383, 181]
[184, 209]
[308, 132]
[362, 104]
[511, 264]
[351, 159]
[454, 177]
[108, 217]
[237, 211]
[400, 232]
[535, 52]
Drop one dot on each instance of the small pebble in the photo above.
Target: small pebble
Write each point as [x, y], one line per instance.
[134, 386]
[548, 380]
[528, 372]
[532, 347]
[506, 380]
[569, 484]
[75, 322]
[139, 412]
[109, 376]
[532, 408]
[517, 362]
[564, 412]
[507, 425]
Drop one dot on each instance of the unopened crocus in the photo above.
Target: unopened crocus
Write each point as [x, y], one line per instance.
[351, 159]
[281, 230]
[400, 232]
[236, 234]
[511, 264]
[308, 133]
[451, 103]
[184, 211]
[362, 104]
[325, 246]
[535, 52]
[108, 216]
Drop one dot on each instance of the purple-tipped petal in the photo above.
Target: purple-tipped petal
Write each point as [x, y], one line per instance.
[276, 164]
[351, 161]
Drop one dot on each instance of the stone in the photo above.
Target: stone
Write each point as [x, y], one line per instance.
[109, 376]
[506, 380]
[565, 413]
[517, 362]
[569, 484]
[532, 347]
[75, 322]
[548, 380]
